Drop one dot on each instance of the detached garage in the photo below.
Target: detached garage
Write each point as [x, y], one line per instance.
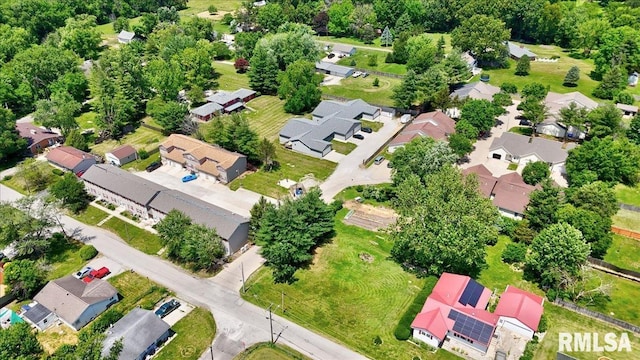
[519, 311]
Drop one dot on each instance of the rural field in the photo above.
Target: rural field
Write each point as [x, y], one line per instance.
[362, 88]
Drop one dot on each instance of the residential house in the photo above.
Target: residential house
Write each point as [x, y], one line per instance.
[521, 149]
[125, 37]
[70, 159]
[122, 155]
[223, 102]
[342, 50]
[509, 193]
[627, 110]
[206, 111]
[149, 200]
[516, 51]
[331, 120]
[475, 91]
[434, 124]
[75, 302]
[472, 62]
[457, 310]
[231, 227]
[633, 79]
[211, 162]
[37, 138]
[38, 316]
[328, 68]
[121, 188]
[141, 333]
[555, 102]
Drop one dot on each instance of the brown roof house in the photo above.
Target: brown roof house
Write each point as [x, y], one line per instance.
[435, 124]
[210, 161]
[75, 302]
[508, 192]
[71, 159]
[37, 138]
[122, 155]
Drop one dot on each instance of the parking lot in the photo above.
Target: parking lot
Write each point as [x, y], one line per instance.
[239, 201]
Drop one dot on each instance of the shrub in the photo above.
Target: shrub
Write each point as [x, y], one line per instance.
[506, 226]
[402, 332]
[542, 326]
[624, 97]
[359, 188]
[509, 88]
[530, 349]
[376, 82]
[377, 340]
[7, 178]
[403, 329]
[57, 172]
[514, 253]
[373, 60]
[111, 207]
[87, 252]
[143, 154]
[389, 58]
[353, 62]
[227, 19]
[336, 205]
[212, 9]
[103, 322]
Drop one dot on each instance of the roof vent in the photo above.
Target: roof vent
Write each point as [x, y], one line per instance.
[33, 131]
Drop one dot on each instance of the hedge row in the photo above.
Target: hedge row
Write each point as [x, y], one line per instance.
[403, 329]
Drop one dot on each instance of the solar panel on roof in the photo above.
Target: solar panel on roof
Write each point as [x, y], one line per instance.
[471, 293]
[470, 327]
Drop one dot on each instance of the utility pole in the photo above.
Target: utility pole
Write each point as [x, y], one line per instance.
[282, 302]
[211, 348]
[271, 323]
[242, 269]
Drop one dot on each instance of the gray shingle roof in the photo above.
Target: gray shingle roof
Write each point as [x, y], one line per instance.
[206, 109]
[122, 182]
[243, 93]
[138, 330]
[313, 133]
[338, 69]
[476, 90]
[342, 48]
[549, 151]
[349, 110]
[628, 108]
[222, 97]
[225, 222]
[126, 35]
[519, 51]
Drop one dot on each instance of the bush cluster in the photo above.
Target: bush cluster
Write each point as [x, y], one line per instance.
[87, 252]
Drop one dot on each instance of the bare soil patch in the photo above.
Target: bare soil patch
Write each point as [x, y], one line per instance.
[369, 217]
[216, 16]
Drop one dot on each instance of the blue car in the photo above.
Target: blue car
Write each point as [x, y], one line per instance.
[189, 177]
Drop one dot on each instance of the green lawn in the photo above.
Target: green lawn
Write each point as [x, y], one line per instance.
[342, 147]
[138, 238]
[17, 183]
[374, 125]
[376, 43]
[229, 79]
[624, 252]
[141, 138]
[293, 166]
[363, 56]
[623, 302]
[522, 130]
[347, 299]
[194, 334]
[628, 195]
[359, 88]
[267, 351]
[269, 116]
[136, 290]
[140, 164]
[198, 6]
[87, 120]
[551, 74]
[90, 216]
[64, 258]
[627, 219]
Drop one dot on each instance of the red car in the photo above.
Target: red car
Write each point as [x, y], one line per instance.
[96, 274]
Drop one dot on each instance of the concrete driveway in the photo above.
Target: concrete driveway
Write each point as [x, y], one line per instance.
[239, 202]
[177, 314]
[113, 266]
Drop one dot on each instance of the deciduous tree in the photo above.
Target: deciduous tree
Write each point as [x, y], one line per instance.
[573, 117]
[81, 36]
[613, 81]
[485, 37]
[605, 121]
[58, 112]
[535, 172]
[422, 52]
[421, 157]
[479, 113]
[460, 144]
[543, 206]
[607, 160]
[299, 86]
[77, 140]
[267, 153]
[169, 114]
[10, 140]
[70, 191]
[24, 278]
[340, 17]
[405, 94]
[19, 341]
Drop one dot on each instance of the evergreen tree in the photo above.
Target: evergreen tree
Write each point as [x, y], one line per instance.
[386, 39]
[524, 66]
[612, 83]
[263, 74]
[572, 77]
[543, 206]
[77, 140]
[440, 49]
[406, 93]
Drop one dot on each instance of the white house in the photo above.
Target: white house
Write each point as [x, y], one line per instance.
[521, 150]
[122, 155]
[38, 316]
[125, 37]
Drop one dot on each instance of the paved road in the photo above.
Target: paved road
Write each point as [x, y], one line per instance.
[349, 172]
[239, 323]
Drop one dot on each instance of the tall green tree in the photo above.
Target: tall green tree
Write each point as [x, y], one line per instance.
[572, 77]
[423, 53]
[71, 192]
[263, 74]
[483, 36]
[388, 11]
[299, 86]
[77, 140]
[605, 121]
[165, 77]
[420, 157]
[405, 94]
[267, 153]
[24, 278]
[81, 36]
[10, 140]
[479, 113]
[596, 196]
[535, 172]
[595, 229]
[258, 210]
[556, 252]
[613, 81]
[608, 160]
[543, 206]
[464, 127]
[573, 117]
[340, 17]
[523, 66]
[633, 133]
[400, 53]
[170, 230]
[170, 114]
[460, 144]
[444, 224]
[234, 134]
[271, 16]
[58, 112]
[18, 341]
[386, 39]
[456, 68]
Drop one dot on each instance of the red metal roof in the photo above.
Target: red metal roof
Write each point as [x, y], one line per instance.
[521, 305]
[67, 157]
[433, 322]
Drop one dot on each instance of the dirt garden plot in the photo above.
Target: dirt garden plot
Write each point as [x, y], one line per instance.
[369, 217]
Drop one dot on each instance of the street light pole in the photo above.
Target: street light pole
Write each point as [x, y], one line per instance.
[271, 323]
[211, 349]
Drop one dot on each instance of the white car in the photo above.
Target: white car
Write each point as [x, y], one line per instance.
[356, 74]
[82, 273]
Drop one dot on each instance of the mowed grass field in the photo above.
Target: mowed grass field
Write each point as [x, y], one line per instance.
[267, 116]
[141, 138]
[362, 88]
[267, 351]
[627, 219]
[347, 299]
[377, 44]
[624, 252]
[194, 334]
[628, 195]
[363, 56]
[229, 79]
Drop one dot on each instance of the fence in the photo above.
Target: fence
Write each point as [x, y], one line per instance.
[596, 315]
[625, 232]
[629, 207]
[610, 268]
[152, 127]
[366, 161]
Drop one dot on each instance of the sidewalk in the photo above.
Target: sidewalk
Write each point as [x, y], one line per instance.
[116, 213]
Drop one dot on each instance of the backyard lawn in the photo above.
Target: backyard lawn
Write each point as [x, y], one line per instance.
[627, 219]
[139, 238]
[293, 166]
[90, 216]
[363, 56]
[628, 195]
[64, 258]
[342, 147]
[194, 334]
[268, 116]
[376, 43]
[141, 138]
[17, 182]
[624, 296]
[624, 252]
[346, 298]
[136, 290]
[267, 351]
[362, 88]
[229, 79]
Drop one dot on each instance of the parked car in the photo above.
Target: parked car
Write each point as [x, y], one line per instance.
[100, 273]
[367, 130]
[167, 308]
[189, 177]
[525, 122]
[331, 55]
[83, 272]
[365, 74]
[378, 160]
[153, 166]
[356, 74]
[358, 136]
